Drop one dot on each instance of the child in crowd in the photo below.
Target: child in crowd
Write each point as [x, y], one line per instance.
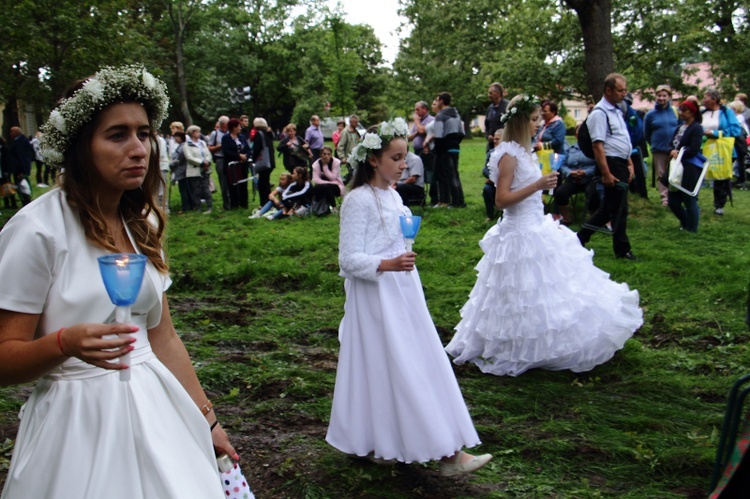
[297, 197]
[274, 199]
[396, 397]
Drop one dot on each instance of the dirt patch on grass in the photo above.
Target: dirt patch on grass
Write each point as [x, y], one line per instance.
[287, 458]
[237, 312]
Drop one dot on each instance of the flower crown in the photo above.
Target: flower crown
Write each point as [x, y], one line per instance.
[525, 105]
[387, 131]
[108, 86]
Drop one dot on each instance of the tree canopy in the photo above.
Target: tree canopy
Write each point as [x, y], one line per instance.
[301, 58]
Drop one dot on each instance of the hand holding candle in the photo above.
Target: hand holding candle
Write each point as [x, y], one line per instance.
[122, 275]
[409, 228]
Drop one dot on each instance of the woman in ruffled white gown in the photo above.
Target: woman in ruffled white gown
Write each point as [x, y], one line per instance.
[539, 301]
[396, 397]
[84, 433]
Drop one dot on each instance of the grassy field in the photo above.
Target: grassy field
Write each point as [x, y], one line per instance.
[258, 304]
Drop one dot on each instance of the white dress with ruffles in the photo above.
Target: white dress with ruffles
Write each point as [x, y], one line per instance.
[539, 301]
[396, 395]
[83, 432]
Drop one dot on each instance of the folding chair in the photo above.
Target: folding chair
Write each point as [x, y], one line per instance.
[731, 426]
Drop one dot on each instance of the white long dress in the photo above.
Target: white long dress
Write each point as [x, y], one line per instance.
[83, 432]
[396, 395]
[539, 301]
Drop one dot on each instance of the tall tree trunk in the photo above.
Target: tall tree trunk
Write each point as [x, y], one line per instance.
[595, 18]
[180, 19]
[182, 83]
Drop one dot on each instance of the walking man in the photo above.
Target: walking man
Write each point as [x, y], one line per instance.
[612, 147]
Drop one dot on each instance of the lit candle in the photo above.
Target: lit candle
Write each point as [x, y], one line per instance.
[122, 275]
[409, 228]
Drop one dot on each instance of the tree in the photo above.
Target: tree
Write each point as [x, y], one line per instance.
[595, 19]
[48, 44]
[181, 15]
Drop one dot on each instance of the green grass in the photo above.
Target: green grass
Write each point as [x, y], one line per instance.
[258, 305]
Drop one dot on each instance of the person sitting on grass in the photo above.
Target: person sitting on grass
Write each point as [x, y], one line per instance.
[274, 199]
[297, 197]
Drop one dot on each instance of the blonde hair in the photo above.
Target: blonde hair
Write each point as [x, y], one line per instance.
[737, 106]
[517, 127]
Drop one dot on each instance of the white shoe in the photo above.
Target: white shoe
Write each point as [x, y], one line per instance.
[458, 468]
[256, 214]
[271, 214]
[42, 185]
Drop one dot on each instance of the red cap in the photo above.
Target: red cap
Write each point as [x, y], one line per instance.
[691, 105]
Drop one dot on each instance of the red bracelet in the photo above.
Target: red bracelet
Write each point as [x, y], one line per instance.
[59, 341]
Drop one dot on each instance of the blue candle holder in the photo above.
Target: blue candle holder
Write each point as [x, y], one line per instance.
[409, 228]
[122, 274]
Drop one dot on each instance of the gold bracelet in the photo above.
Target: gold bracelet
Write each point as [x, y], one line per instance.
[207, 407]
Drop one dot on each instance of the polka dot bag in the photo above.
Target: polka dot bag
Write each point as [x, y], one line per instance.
[235, 485]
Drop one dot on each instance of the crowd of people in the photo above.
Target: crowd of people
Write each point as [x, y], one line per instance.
[621, 138]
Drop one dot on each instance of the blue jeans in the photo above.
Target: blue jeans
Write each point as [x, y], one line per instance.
[685, 207]
[266, 208]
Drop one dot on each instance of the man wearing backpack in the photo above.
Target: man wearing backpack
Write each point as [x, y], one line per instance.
[611, 148]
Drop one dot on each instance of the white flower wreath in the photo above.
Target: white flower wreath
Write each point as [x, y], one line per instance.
[108, 86]
[387, 131]
[524, 105]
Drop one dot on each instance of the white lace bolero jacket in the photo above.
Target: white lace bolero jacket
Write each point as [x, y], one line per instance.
[370, 231]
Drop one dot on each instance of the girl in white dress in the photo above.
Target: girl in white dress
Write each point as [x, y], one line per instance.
[539, 301]
[84, 433]
[396, 397]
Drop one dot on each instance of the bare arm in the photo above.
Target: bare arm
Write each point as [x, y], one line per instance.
[23, 358]
[503, 195]
[170, 350]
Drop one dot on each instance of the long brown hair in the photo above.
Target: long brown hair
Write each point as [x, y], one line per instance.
[80, 181]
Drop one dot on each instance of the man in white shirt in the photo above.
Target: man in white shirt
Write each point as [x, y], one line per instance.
[612, 148]
[411, 185]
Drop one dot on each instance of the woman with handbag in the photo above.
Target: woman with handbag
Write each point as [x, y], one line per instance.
[719, 123]
[84, 432]
[294, 149]
[236, 152]
[263, 160]
[690, 136]
[552, 135]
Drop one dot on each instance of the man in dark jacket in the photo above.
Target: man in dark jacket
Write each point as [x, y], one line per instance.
[21, 155]
[449, 132]
[497, 108]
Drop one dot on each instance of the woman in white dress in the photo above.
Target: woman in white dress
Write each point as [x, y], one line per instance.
[539, 301]
[396, 397]
[84, 433]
